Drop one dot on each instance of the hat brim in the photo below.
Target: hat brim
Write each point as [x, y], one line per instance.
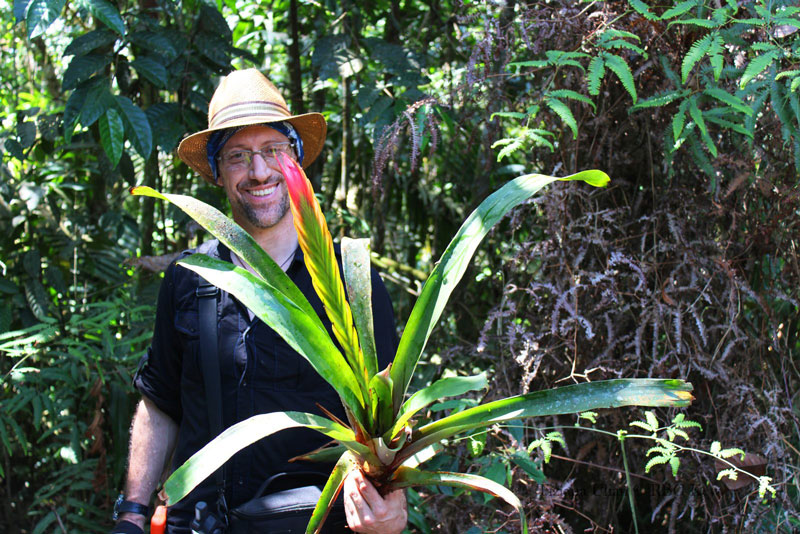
[311, 127]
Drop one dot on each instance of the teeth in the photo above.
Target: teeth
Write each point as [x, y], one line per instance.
[263, 192]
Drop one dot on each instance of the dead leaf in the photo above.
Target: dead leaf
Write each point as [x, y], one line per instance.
[753, 463]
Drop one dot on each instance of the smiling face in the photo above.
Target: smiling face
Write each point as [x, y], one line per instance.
[257, 193]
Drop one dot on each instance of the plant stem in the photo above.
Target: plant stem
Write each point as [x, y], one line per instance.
[621, 438]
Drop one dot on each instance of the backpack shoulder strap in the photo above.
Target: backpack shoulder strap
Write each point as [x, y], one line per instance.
[209, 364]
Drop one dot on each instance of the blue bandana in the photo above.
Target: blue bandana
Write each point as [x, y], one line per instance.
[218, 139]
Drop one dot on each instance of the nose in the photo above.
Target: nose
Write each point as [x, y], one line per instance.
[259, 167]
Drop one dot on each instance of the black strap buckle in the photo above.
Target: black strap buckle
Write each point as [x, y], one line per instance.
[208, 290]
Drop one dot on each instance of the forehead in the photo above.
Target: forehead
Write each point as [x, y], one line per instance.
[256, 136]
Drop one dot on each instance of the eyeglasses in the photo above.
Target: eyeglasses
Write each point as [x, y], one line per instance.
[242, 159]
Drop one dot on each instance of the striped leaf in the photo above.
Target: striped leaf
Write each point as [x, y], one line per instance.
[317, 245]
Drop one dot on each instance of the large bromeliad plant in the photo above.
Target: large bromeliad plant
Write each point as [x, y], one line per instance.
[381, 436]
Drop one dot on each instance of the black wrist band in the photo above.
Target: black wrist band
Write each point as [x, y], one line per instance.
[129, 507]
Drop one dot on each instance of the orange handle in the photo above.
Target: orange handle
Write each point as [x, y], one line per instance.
[158, 523]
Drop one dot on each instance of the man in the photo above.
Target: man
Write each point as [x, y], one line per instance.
[249, 123]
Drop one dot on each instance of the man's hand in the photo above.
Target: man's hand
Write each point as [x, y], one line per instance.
[368, 512]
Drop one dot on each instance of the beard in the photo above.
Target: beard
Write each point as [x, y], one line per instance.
[262, 217]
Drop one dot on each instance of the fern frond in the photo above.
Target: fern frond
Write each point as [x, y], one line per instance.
[756, 66]
[715, 56]
[661, 100]
[623, 72]
[679, 9]
[622, 44]
[573, 95]
[725, 97]
[563, 111]
[697, 117]
[643, 9]
[695, 54]
[510, 145]
[703, 23]
[597, 69]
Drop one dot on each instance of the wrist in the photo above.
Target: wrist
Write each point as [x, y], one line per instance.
[130, 507]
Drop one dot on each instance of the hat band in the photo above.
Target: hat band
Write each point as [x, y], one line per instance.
[247, 109]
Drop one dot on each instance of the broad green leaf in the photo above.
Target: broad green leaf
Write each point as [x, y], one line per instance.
[235, 438]
[112, 135]
[564, 400]
[756, 66]
[733, 101]
[332, 488]
[597, 69]
[623, 72]
[155, 43]
[82, 68]
[136, 126]
[165, 120]
[41, 14]
[695, 54]
[108, 14]
[454, 262]
[151, 69]
[406, 477]
[563, 111]
[87, 42]
[572, 95]
[241, 243]
[98, 100]
[445, 387]
[21, 9]
[358, 279]
[300, 331]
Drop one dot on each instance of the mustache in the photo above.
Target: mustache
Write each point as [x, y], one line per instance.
[255, 183]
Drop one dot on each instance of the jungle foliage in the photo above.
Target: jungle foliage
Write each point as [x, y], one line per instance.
[687, 267]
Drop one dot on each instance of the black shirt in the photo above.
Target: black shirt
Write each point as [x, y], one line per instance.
[261, 373]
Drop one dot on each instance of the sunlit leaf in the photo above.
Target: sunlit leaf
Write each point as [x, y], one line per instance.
[108, 14]
[454, 262]
[208, 459]
[446, 387]
[40, 15]
[406, 477]
[331, 490]
[564, 400]
[358, 279]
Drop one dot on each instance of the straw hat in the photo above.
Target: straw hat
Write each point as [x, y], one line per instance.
[246, 97]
